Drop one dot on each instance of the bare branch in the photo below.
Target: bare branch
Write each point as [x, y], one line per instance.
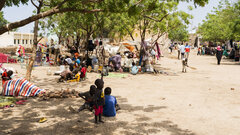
[39, 39]
[34, 4]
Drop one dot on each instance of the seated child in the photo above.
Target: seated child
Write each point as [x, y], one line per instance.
[99, 100]
[110, 106]
[76, 77]
[134, 69]
[83, 72]
[88, 97]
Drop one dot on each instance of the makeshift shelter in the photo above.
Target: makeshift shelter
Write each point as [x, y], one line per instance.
[112, 50]
[131, 46]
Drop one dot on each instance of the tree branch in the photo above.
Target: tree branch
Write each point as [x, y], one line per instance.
[50, 12]
[138, 2]
[40, 39]
[83, 27]
[156, 19]
[2, 4]
[91, 1]
[34, 4]
[60, 4]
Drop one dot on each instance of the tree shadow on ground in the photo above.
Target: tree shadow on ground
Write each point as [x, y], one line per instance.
[61, 121]
[55, 85]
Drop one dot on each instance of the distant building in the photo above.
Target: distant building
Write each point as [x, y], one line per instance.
[17, 38]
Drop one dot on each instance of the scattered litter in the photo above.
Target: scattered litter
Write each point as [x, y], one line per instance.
[59, 94]
[72, 109]
[232, 89]
[42, 120]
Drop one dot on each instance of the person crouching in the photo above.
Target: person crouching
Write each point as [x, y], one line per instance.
[184, 65]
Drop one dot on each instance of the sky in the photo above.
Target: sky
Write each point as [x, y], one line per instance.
[15, 13]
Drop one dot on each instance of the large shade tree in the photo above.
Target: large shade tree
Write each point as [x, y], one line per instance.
[82, 6]
[145, 9]
[223, 24]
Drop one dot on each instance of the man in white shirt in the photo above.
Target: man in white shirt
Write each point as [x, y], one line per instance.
[182, 50]
[178, 47]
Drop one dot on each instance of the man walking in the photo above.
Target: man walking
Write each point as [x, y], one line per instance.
[187, 50]
[178, 47]
[182, 50]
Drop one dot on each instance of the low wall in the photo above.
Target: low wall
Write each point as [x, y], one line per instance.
[12, 50]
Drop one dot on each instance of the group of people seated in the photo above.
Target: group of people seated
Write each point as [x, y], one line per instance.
[75, 71]
[101, 101]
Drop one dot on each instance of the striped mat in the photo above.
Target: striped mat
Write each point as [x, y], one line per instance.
[20, 87]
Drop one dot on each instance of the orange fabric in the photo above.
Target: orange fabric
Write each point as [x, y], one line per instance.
[131, 48]
[76, 55]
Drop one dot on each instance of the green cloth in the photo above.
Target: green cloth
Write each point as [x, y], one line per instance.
[7, 101]
[225, 53]
[116, 75]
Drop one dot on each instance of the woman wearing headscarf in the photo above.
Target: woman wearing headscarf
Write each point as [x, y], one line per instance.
[219, 54]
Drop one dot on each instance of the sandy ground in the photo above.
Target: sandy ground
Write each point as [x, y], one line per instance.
[199, 102]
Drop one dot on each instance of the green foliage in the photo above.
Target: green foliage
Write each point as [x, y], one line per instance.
[2, 20]
[10, 3]
[179, 34]
[120, 18]
[222, 24]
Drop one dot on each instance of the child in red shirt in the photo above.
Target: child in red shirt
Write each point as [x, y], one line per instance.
[83, 72]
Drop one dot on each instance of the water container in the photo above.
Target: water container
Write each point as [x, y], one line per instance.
[95, 68]
[62, 68]
[49, 72]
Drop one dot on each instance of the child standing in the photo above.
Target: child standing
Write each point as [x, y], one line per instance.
[99, 100]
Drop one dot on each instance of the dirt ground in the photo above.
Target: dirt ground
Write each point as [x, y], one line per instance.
[203, 101]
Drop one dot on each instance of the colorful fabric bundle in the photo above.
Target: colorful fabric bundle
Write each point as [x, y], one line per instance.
[20, 87]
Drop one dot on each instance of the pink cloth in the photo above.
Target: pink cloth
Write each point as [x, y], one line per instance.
[218, 48]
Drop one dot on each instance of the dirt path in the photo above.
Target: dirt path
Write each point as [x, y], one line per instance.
[199, 102]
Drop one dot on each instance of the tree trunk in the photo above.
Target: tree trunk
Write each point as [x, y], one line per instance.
[34, 49]
[87, 45]
[130, 34]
